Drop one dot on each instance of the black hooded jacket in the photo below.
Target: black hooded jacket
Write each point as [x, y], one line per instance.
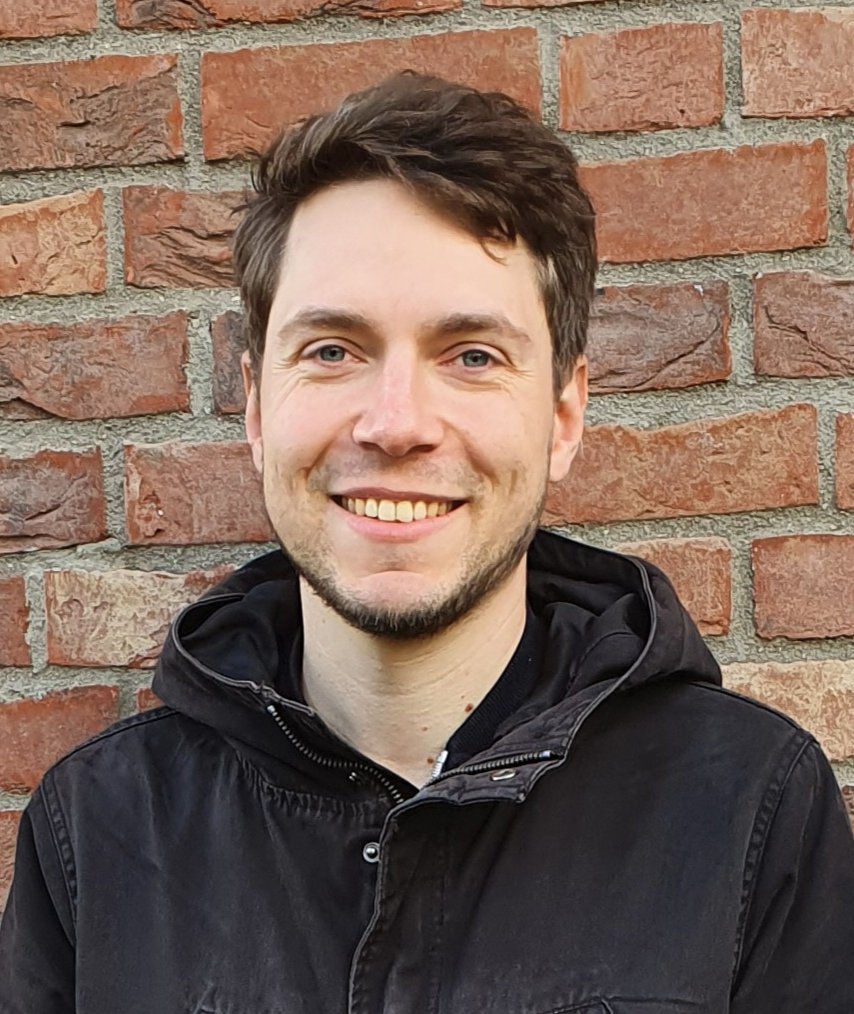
[635, 840]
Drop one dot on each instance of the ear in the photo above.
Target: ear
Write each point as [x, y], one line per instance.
[568, 421]
[252, 418]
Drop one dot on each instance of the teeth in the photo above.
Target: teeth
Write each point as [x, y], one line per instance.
[396, 510]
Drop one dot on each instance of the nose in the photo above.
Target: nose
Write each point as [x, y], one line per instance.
[399, 416]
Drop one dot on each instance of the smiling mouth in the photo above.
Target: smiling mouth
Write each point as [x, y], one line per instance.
[403, 511]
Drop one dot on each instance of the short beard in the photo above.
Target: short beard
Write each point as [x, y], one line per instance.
[427, 619]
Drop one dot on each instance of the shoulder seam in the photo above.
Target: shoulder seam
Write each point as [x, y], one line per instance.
[155, 715]
[759, 705]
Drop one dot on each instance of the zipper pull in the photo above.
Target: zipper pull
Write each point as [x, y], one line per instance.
[440, 763]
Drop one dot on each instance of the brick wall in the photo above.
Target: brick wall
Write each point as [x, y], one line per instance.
[716, 141]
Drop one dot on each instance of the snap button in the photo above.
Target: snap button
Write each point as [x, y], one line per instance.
[504, 775]
[371, 852]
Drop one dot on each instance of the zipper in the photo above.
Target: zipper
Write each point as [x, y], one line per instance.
[496, 764]
[336, 763]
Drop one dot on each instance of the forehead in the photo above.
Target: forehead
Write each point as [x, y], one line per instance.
[375, 247]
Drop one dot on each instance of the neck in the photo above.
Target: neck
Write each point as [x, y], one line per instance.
[399, 702]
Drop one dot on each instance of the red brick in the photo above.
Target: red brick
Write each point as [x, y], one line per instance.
[111, 110]
[9, 820]
[190, 494]
[652, 78]
[701, 572]
[54, 246]
[166, 14]
[146, 699]
[23, 20]
[50, 499]
[817, 695]
[710, 202]
[177, 239]
[845, 462]
[228, 344]
[34, 733]
[14, 619]
[238, 117]
[848, 796]
[117, 617]
[803, 586]
[750, 462]
[798, 62]
[652, 337]
[94, 369]
[803, 325]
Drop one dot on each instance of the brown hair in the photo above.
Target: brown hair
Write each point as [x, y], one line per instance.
[475, 157]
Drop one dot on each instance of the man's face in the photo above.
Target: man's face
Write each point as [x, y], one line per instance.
[405, 425]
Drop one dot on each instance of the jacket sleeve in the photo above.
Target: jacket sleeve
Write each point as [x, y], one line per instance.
[798, 931]
[36, 935]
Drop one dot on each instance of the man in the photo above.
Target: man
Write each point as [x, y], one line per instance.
[428, 759]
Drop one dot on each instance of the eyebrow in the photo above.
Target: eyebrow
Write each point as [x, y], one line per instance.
[454, 324]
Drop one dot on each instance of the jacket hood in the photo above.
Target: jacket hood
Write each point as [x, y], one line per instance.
[613, 623]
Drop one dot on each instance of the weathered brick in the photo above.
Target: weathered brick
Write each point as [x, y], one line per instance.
[110, 110]
[710, 202]
[117, 617]
[9, 821]
[803, 325]
[189, 494]
[146, 699]
[848, 797]
[798, 62]
[34, 733]
[50, 499]
[750, 462]
[238, 117]
[817, 695]
[176, 238]
[46, 17]
[14, 619]
[228, 344]
[668, 75]
[54, 246]
[167, 14]
[845, 462]
[701, 572]
[803, 586]
[651, 337]
[94, 369]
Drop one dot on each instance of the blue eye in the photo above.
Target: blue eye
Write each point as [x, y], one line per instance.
[475, 358]
[331, 354]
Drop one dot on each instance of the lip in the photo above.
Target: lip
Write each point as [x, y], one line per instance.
[393, 531]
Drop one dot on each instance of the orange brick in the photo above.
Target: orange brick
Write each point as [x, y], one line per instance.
[668, 75]
[34, 733]
[146, 699]
[9, 821]
[798, 62]
[803, 586]
[803, 325]
[111, 110]
[652, 337]
[750, 462]
[711, 202]
[14, 620]
[845, 462]
[117, 617]
[51, 499]
[176, 238]
[54, 246]
[238, 117]
[228, 344]
[22, 20]
[94, 369]
[189, 494]
[818, 695]
[701, 572]
[166, 14]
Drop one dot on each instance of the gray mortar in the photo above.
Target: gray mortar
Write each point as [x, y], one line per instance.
[742, 393]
